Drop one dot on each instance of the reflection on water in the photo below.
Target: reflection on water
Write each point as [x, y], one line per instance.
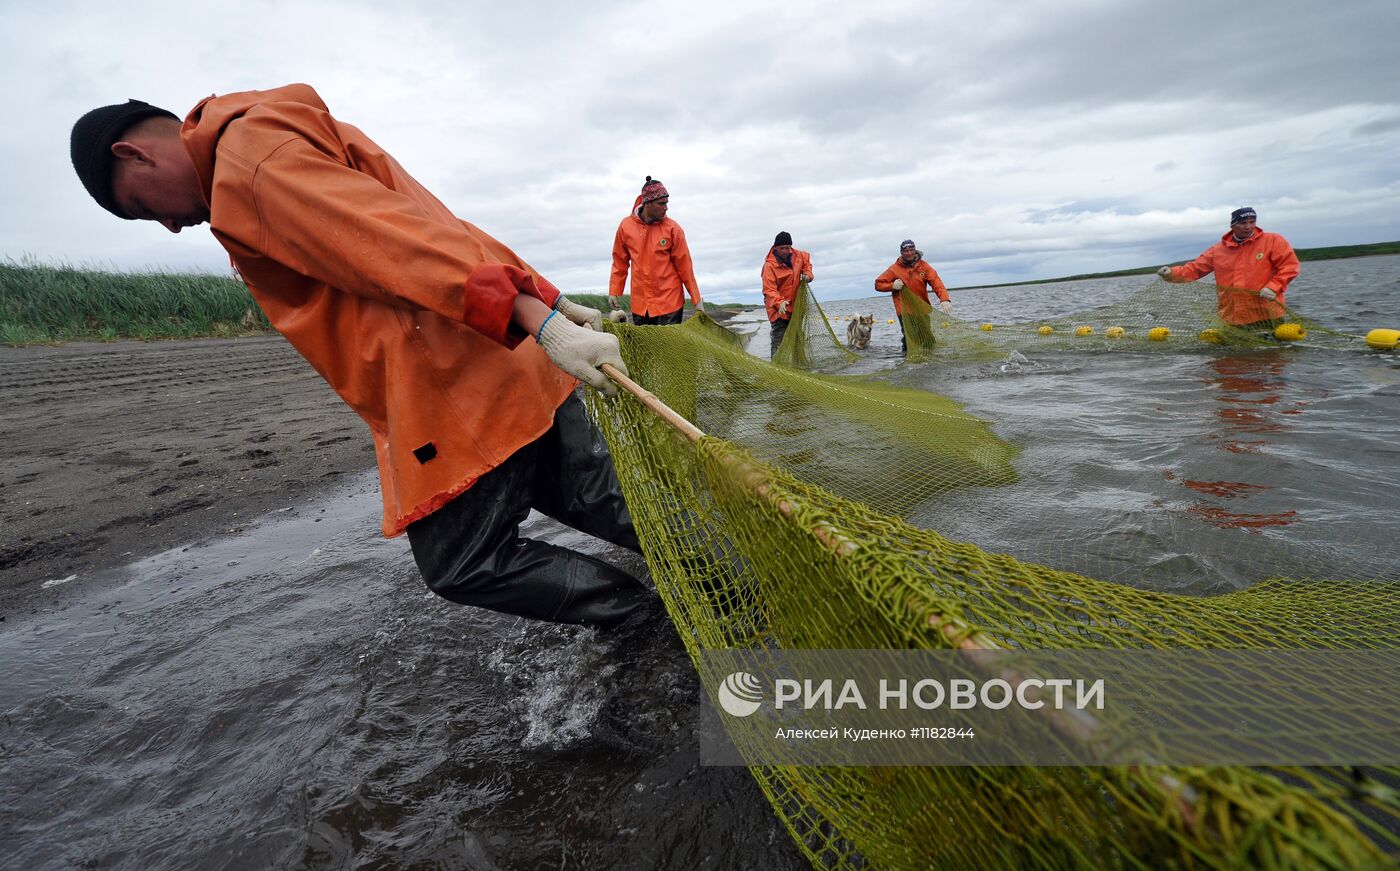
[1251, 407]
[1251, 389]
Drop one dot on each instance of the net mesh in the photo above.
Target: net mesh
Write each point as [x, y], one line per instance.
[771, 532]
[809, 342]
[1163, 316]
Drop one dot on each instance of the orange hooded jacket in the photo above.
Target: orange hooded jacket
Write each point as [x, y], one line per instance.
[1242, 269]
[660, 261]
[403, 308]
[918, 278]
[780, 282]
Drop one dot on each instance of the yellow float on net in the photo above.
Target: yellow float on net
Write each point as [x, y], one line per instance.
[1290, 332]
[1114, 332]
[891, 320]
[1383, 340]
[1045, 329]
[1083, 331]
[1211, 335]
[1158, 334]
[986, 328]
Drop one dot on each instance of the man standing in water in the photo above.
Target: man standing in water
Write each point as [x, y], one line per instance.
[784, 269]
[654, 247]
[912, 272]
[1252, 272]
[459, 357]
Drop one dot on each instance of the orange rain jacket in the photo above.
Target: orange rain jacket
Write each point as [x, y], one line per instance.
[1242, 269]
[780, 282]
[660, 262]
[918, 278]
[403, 308]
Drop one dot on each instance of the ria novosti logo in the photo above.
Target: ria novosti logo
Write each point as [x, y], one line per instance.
[740, 694]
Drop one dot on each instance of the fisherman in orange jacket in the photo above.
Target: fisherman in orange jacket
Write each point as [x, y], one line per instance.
[654, 246]
[912, 272]
[784, 269]
[1252, 271]
[459, 357]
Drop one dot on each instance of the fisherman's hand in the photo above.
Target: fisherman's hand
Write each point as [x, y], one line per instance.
[1165, 273]
[614, 302]
[580, 351]
[782, 306]
[898, 284]
[947, 306]
[700, 306]
[617, 316]
[1267, 294]
[805, 277]
[579, 314]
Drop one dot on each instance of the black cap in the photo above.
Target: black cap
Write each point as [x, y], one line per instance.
[783, 238]
[1241, 214]
[91, 145]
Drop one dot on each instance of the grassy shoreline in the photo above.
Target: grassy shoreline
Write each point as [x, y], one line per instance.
[42, 305]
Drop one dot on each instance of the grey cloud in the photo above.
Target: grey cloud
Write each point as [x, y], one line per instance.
[1196, 52]
[1011, 142]
[1377, 127]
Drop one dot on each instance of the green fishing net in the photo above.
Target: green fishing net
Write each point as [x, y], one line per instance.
[1162, 316]
[809, 342]
[782, 529]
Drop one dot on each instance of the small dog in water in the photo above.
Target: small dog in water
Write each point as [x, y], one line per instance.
[858, 332]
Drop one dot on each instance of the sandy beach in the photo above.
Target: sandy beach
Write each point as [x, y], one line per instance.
[115, 451]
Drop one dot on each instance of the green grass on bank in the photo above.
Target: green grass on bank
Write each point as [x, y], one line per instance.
[1335, 252]
[41, 304]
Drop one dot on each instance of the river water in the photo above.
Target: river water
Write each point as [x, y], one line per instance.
[1193, 469]
[293, 697]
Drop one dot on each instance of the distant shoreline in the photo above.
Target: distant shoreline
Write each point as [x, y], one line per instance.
[1335, 252]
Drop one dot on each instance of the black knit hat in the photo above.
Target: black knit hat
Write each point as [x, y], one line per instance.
[783, 238]
[1243, 213]
[91, 144]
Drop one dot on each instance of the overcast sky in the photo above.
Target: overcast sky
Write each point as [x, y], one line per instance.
[1010, 140]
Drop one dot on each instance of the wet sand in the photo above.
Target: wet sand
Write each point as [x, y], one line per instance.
[115, 451]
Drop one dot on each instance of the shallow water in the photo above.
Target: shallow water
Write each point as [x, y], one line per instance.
[293, 697]
[1192, 470]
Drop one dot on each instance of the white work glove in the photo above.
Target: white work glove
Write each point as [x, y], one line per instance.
[615, 302]
[1267, 294]
[617, 316]
[782, 306]
[700, 306]
[805, 277]
[947, 306]
[580, 351]
[1165, 273]
[579, 314]
[898, 284]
